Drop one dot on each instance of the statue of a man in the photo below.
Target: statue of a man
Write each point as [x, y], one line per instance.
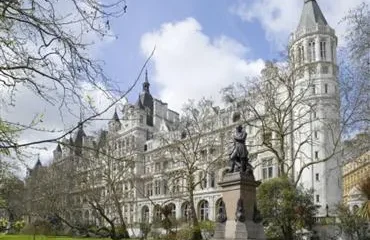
[239, 154]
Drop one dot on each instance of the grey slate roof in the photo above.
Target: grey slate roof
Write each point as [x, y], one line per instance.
[311, 15]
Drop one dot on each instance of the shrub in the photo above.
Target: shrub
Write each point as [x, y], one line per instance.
[3, 224]
[18, 226]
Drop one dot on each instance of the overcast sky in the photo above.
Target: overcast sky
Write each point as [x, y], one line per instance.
[201, 46]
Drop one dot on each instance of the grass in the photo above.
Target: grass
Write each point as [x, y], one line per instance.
[40, 237]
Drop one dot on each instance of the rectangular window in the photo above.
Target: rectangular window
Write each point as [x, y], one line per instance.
[311, 51]
[267, 137]
[317, 198]
[313, 87]
[317, 177]
[267, 168]
[314, 114]
[165, 186]
[157, 189]
[301, 54]
[316, 134]
[326, 88]
[325, 69]
[157, 167]
[316, 154]
[323, 49]
[212, 179]
[149, 190]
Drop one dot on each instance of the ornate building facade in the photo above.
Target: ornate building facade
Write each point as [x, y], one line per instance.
[135, 131]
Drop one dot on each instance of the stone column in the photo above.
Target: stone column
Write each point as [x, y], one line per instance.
[241, 220]
[178, 210]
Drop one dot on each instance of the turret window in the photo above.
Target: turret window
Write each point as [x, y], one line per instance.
[323, 49]
[311, 51]
[300, 54]
[326, 88]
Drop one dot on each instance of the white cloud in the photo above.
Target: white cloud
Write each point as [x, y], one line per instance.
[189, 65]
[280, 17]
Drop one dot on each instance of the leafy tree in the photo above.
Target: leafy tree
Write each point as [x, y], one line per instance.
[364, 211]
[12, 192]
[285, 208]
[351, 223]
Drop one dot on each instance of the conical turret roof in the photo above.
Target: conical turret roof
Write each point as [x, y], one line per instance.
[311, 15]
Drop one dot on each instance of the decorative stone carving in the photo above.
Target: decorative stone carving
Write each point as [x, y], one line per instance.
[240, 214]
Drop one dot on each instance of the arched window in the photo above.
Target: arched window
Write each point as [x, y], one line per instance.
[220, 207]
[185, 211]
[157, 213]
[172, 208]
[203, 210]
[145, 214]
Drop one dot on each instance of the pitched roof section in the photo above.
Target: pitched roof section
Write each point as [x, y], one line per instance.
[311, 15]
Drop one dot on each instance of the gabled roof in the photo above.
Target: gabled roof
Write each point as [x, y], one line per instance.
[311, 15]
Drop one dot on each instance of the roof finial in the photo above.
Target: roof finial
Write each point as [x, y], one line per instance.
[146, 83]
[146, 76]
[115, 115]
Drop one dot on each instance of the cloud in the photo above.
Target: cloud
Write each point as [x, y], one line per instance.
[189, 64]
[280, 17]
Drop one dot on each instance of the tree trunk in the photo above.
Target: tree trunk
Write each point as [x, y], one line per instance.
[196, 235]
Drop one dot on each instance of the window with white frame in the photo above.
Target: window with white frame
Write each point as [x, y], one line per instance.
[203, 210]
[267, 168]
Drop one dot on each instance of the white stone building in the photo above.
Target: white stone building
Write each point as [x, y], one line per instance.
[136, 128]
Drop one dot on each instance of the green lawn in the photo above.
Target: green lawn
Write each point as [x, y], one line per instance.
[38, 237]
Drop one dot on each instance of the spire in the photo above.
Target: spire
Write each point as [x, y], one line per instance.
[59, 148]
[70, 141]
[311, 15]
[146, 83]
[38, 163]
[115, 116]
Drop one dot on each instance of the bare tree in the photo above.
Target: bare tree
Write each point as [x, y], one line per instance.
[89, 183]
[193, 151]
[45, 49]
[355, 70]
[281, 109]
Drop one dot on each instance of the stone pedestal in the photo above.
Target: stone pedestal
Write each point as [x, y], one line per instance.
[239, 196]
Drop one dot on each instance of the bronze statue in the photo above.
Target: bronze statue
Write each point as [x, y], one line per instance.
[239, 154]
